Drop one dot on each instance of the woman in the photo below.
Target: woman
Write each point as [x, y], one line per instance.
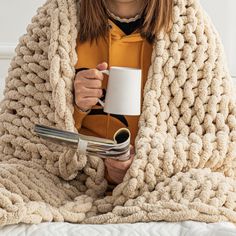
[184, 167]
[114, 33]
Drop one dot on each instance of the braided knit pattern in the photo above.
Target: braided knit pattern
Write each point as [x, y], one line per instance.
[185, 162]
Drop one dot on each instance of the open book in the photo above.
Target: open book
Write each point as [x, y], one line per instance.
[118, 148]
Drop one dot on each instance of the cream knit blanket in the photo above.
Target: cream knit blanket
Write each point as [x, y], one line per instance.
[185, 162]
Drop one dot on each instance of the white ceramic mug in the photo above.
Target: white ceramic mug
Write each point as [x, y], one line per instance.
[123, 95]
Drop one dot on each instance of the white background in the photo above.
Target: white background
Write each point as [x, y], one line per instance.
[223, 14]
[15, 15]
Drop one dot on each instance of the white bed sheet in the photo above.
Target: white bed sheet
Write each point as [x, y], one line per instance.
[186, 228]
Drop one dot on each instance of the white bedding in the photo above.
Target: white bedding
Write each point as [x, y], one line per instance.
[187, 228]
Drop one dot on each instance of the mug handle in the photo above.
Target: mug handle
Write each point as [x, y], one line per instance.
[107, 72]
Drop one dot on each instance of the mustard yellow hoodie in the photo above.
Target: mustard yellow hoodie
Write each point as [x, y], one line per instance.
[118, 49]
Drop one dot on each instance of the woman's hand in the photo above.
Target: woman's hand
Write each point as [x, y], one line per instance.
[116, 170]
[88, 87]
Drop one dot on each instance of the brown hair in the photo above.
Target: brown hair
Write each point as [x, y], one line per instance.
[157, 16]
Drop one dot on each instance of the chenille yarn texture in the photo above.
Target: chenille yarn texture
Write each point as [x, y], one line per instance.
[185, 162]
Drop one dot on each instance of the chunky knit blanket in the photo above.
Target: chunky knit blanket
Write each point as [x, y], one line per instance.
[185, 162]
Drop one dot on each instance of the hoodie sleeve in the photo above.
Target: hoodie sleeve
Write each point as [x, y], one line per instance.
[79, 116]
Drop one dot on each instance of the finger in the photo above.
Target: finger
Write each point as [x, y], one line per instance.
[114, 170]
[102, 66]
[116, 161]
[88, 83]
[121, 165]
[89, 93]
[116, 177]
[90, 74]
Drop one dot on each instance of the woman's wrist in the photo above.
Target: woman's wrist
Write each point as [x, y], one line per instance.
[87, 111]
[79, 109]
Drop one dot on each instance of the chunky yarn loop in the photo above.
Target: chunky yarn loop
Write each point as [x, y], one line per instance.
[185, 162]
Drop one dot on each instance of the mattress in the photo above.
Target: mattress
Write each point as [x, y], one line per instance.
[186, 228]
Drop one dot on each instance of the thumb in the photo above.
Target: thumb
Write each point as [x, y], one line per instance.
[102, 66]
